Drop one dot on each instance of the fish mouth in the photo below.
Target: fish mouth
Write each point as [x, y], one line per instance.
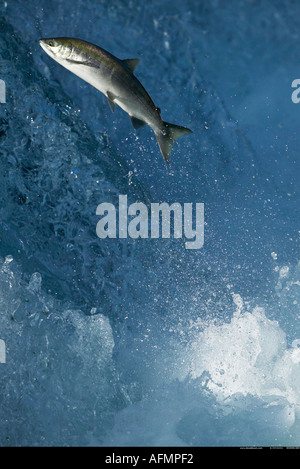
[48, 46]
[43, 44]
[49, 43]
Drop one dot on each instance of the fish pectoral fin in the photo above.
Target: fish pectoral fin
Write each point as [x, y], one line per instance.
[112, 104]
[110, 98]
[137, 123]
[80, 62]
[131, 64]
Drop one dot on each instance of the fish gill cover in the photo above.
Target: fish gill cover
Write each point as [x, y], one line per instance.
[142, 342]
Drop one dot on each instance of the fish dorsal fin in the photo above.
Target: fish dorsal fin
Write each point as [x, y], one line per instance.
[137, 123]
[131, 64]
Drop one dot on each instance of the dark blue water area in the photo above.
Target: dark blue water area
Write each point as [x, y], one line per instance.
[143, 342]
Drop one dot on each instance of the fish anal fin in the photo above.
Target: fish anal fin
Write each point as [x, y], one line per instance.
[137, 123]
[131, 64]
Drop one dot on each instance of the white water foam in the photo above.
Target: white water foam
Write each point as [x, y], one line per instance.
[233, 383]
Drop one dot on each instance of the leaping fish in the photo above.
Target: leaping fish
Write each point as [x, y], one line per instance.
[116, 80]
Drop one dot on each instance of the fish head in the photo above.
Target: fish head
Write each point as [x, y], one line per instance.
[59, 49]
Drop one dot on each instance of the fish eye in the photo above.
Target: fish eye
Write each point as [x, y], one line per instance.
[51, 43]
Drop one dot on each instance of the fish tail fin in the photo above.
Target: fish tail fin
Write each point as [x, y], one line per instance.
[167, 136]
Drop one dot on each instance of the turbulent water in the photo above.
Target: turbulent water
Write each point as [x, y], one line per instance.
[141, 342]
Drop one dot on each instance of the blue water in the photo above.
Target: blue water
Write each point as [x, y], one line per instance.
[142, 342]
